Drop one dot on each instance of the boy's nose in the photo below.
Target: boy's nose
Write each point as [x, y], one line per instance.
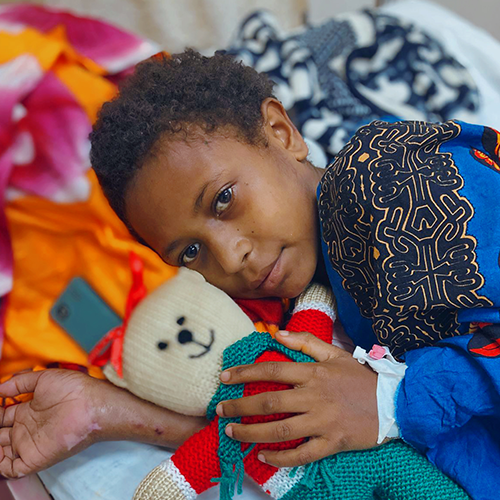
[231, 251]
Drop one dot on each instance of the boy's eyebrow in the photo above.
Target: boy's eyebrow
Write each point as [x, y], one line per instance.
[165, 254]
[197, 205]
[199, 199]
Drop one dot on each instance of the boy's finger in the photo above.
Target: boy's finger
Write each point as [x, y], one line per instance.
[13, 467]
[22, 383]
[6, 436]
[6, 465]
[310, 345]
[312, 450]
[9, 416]
[266, 403]
[21, 469]
[8, 452]
[271, 432]
[270, 371]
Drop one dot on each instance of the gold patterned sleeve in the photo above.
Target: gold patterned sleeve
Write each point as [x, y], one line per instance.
[394, 222]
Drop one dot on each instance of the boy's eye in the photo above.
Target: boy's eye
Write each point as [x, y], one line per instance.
[223, 200]
[190, 253]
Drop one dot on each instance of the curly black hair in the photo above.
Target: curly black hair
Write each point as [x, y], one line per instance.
[164, 97]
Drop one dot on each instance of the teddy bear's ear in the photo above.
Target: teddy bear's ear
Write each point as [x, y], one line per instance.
[112, 376]
[189, 274]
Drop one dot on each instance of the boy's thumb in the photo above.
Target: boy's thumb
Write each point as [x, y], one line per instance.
[20, 383]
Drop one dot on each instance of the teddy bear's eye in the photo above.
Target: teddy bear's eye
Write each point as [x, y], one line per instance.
[162, 346]
[181, 320]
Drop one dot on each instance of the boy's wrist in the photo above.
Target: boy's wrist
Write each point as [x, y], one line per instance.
[119, 415]
[390, 373]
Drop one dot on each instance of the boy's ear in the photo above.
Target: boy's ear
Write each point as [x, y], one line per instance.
[279, 126]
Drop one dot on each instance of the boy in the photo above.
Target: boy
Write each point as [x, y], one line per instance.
[205, 167]
[70, 411]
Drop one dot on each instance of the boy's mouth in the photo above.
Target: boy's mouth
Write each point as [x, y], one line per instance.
[273, 277]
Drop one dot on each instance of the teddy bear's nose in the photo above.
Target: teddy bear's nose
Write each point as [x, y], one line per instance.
[185, 336]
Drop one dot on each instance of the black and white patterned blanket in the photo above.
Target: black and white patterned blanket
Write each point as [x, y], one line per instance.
[353, 69]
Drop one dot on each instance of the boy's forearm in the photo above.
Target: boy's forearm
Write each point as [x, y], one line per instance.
[119, 415]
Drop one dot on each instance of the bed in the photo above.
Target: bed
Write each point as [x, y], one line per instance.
[113, 470]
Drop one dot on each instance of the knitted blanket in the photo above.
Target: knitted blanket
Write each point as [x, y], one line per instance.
[355, 68]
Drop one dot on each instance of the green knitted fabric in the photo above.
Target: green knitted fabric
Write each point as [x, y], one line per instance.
[243, 352]
[394, 471]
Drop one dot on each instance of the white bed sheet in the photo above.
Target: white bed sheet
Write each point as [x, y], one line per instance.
[111, 471]
[475, 48]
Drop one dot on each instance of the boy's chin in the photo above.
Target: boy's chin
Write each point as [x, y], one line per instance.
[284, 292]
[292, 289]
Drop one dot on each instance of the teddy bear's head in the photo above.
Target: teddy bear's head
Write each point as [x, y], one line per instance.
[174, 340]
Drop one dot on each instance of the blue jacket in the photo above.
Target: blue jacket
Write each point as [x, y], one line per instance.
[410, 223]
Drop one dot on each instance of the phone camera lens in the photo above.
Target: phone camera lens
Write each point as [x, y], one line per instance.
[62, 311]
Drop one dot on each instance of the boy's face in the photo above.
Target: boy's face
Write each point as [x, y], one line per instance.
[243, 216]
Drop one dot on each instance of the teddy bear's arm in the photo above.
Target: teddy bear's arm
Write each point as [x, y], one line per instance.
[161, 484]
[314, 312]
[188, 472]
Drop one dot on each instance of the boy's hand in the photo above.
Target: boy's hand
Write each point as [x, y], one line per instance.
[57, 423]
[334, 401]
[70, 411]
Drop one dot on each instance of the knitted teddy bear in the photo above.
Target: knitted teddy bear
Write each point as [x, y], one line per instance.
[171, 350]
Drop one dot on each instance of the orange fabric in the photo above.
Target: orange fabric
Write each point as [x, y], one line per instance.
[272, 328]
[82, 76]
[44, 48]
[52, 243]
[261, 326]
